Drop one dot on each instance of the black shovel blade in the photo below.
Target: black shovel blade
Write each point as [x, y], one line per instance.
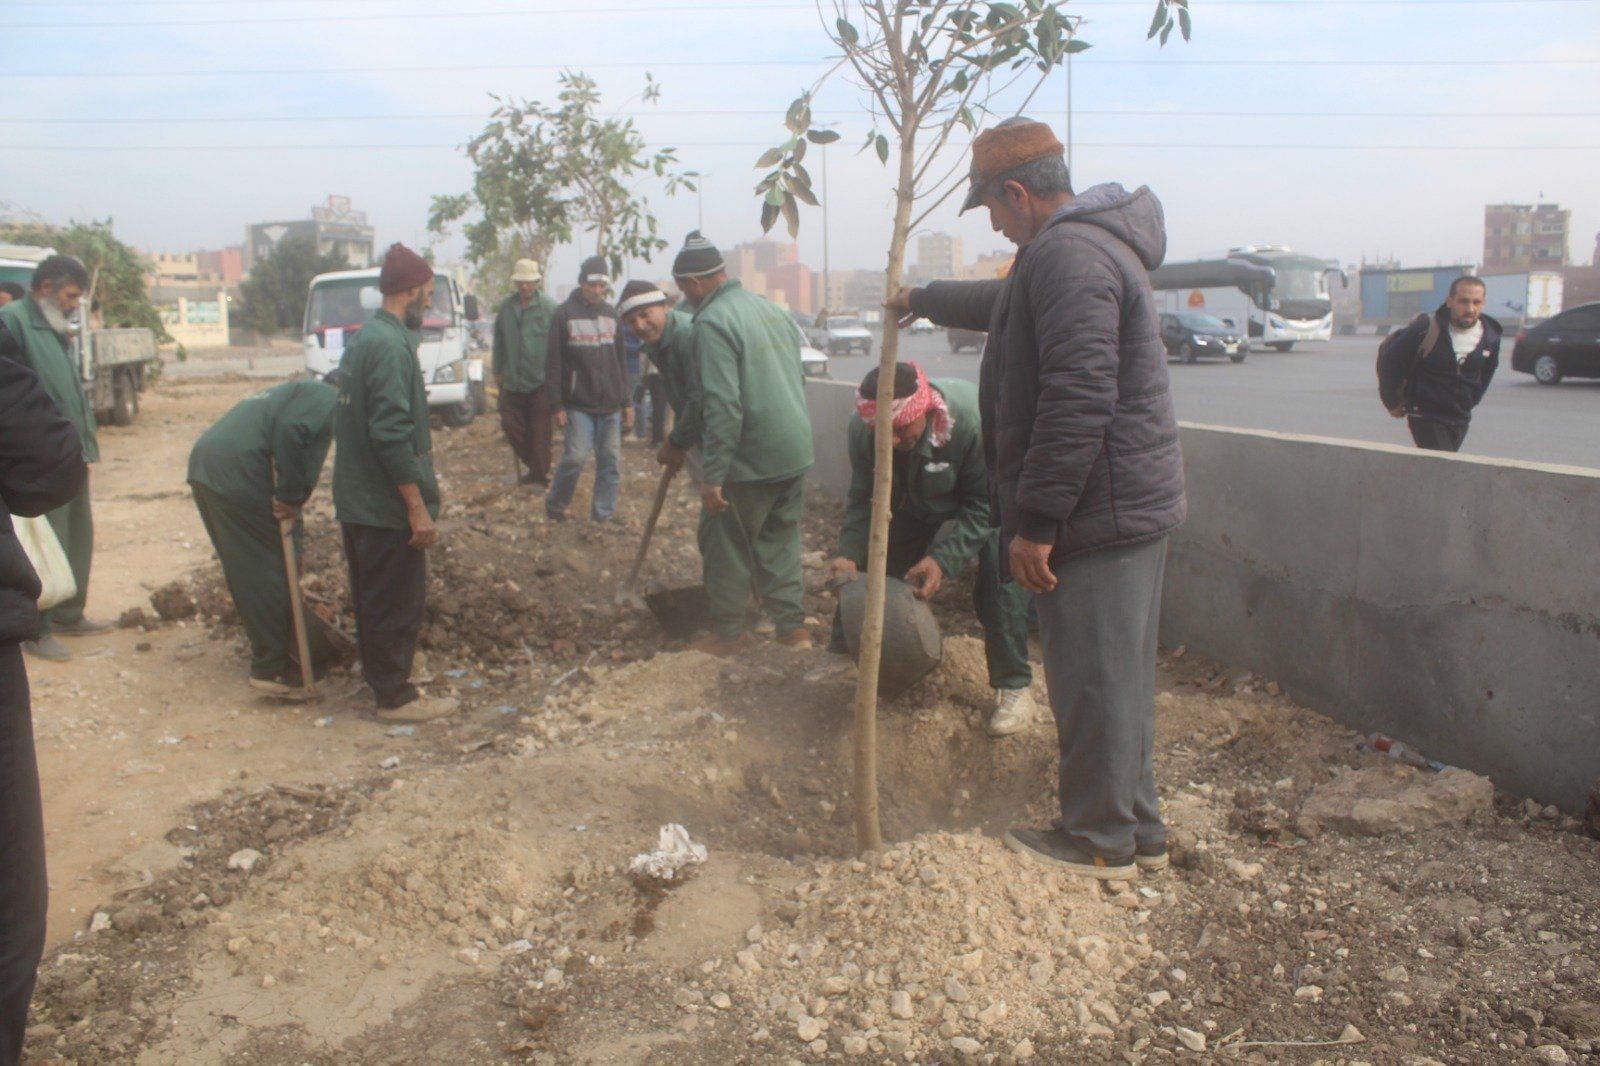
[681, 612]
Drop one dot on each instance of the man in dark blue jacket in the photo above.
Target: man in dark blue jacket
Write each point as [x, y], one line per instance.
[41, 468]
[1436, 370]
[1085, 472]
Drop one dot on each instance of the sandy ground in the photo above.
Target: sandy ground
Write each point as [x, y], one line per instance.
[239, 881]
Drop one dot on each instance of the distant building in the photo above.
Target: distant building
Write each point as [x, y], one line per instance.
[773, 269]
[939, 256]
[992, 265]
[333, 227]
[1524, 237]
[190, 290]
[853, 290]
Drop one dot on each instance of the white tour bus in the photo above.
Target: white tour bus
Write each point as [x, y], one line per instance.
[1275, 296]
[340, 304]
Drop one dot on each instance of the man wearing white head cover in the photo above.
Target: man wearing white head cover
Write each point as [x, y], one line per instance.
[521, 357]
[667, 336]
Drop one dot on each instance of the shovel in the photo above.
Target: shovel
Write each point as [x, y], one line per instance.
[628, 593]
[296, 608]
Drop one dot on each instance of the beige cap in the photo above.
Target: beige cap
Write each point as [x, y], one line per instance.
[526, 270]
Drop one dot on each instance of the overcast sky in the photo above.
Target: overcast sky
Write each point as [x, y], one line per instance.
[1231, 167]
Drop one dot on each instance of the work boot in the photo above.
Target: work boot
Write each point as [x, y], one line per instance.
[421, 709]
[798, 637]
[1014, 711]
[48, 648]
[83, 627]
[1150, 857]
[286, 686]
[1050, 847]
[711, 644]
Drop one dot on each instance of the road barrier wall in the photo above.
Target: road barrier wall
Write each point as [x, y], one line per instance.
[1451, 601]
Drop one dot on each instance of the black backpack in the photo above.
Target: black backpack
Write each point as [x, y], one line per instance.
[1387, 349]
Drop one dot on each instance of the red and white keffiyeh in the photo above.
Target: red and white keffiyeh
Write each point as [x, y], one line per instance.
[926, 400]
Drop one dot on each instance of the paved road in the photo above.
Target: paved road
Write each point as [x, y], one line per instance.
[1330, 390]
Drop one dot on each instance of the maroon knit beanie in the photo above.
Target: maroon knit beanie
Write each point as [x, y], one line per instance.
[403, 270]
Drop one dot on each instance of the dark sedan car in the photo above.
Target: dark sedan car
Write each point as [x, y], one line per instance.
[1189, 335]
[1567, 345]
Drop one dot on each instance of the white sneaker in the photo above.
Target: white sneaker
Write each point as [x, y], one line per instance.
[1013, 711]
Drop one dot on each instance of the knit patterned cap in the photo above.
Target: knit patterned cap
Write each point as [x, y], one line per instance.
[698, 258]
[403, 270]
[594, 268]
[637, 294]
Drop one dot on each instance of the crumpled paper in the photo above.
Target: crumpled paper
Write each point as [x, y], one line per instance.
[674, 853]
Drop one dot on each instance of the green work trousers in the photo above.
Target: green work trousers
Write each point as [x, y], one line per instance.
[1002, 608]
[247, 542]
[73, 525]
[754, 546]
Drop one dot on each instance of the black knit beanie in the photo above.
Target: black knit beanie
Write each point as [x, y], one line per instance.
[698, 258]
[594, 268]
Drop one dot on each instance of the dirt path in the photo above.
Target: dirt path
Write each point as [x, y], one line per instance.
[307, 886]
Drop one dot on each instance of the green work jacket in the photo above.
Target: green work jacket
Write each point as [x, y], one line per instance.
[522, 342]
[673, 356]
[286, 429]
[382, 428]
[51, 357]
[943, 484]
[753, 397]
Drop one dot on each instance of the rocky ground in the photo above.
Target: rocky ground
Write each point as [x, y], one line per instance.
[242, 882]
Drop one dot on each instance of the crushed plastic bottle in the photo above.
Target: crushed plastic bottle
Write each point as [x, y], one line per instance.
[1399, 752]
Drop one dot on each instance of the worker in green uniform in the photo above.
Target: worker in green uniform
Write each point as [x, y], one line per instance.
[755, 445]
[42, 327]
[939, 478]
[253, 469]
[521, 348]
[667, 336]
[385, 494]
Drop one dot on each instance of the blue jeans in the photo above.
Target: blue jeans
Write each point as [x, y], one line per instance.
[600, 435]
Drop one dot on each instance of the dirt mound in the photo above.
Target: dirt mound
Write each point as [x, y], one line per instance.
[946, 943]
[961, 678]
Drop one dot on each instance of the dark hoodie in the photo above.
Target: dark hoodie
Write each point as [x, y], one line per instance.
[588, 359]
[1435, 384]
[1079, 431]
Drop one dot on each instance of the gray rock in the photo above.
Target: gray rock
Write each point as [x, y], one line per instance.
[1376, 800]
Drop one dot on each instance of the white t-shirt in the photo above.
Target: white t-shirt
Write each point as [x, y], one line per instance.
[1465, 341]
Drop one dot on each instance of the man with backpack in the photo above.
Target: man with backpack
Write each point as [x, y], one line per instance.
[1436, 370]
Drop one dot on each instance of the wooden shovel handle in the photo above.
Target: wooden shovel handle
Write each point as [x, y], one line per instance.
[650, 523]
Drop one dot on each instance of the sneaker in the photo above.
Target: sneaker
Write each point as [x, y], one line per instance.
[286, 687]
[1014, 711]
[711, 644]
[83, 627]
[798, 637]
[421, 709]
[1150, 857]
[1050, 847]
[48, 648]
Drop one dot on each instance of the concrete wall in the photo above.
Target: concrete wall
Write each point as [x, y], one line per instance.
[1452, 602]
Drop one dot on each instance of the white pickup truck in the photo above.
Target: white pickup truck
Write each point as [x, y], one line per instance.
[111, 362]
[340, 304]
[837, 335]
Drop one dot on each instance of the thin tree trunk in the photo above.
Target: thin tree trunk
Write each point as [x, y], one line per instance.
[869, 834]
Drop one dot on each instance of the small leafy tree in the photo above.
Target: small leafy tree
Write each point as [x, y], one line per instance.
[545, 171]
[117, 271]
[274, 295]
[927, 70]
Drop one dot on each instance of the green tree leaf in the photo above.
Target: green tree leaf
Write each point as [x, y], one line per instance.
[769, 158]
[1183, 21]
[769, 215]
[822, 136]
[1160, 19]
[883, 148]
[847, 32]
[791, 216]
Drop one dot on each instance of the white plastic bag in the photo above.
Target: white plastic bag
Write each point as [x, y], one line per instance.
[49, 561]
[674, 854]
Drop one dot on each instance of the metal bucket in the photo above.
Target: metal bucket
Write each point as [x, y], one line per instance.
[912, 644]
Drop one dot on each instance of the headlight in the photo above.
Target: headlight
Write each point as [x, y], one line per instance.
[448, 374]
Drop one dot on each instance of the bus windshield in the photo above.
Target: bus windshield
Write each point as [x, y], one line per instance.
[344, 303]
[1302, 283]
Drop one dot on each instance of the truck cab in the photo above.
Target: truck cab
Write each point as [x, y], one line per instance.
[340, 303]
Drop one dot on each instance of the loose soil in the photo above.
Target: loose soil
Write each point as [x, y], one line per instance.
[240, 881]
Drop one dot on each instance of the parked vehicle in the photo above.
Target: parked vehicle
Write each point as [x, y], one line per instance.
[1567, 345]
[452, 371]
[836, 335]
[1189, 335]
[1522, 299]
[966, 338]
[813, 363]
[920, 325]
[111, 362]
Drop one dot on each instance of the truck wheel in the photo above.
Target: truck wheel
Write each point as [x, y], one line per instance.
[124, 398]
[1238, 358]
[1186, 353]
[1547, 370]
[459, 414]
[480, 397]
[1282, 346]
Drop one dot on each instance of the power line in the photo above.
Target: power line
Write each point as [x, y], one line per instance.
[751, 9]
[233, 120]
[1163, 145]
[79, 75]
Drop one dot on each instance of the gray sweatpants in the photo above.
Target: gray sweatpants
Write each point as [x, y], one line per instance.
[1098, 631]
